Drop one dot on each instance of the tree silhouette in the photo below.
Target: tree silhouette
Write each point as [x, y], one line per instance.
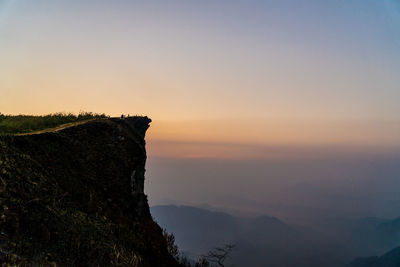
[219, 255]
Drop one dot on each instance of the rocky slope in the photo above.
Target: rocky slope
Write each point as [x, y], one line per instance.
[75, 197]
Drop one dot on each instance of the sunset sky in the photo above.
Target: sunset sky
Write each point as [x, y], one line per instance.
[297, 68]
[310, 89]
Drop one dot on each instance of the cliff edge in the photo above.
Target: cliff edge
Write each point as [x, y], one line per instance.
[75, 197]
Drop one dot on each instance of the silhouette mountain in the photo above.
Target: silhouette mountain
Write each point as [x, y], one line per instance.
[260, 241]
[390, 259]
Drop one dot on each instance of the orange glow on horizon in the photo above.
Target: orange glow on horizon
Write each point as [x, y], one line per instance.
[229, 139]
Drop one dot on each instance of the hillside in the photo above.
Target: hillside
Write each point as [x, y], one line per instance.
[260, 241]
[75, 197]
[364, 236]
[389, 259]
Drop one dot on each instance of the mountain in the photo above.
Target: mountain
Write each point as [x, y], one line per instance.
[385, 234]
[390, 232]
[365, 236]
[74, 197]
[390, 259]
[260, 241]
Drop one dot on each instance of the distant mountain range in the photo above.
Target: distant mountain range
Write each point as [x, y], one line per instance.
[364, 236]
[389, 259]
[268, 241]
[259, 241]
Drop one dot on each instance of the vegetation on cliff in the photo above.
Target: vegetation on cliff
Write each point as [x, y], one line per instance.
[11, 124]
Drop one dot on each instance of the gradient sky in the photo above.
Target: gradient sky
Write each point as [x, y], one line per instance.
[314, 63]
[279, 81]
[202, 59]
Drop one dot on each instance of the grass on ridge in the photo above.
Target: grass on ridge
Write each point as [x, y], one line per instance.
[17, 124]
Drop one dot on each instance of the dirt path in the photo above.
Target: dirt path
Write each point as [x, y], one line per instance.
[56, 129]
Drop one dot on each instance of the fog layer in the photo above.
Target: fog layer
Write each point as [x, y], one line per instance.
[292, 183]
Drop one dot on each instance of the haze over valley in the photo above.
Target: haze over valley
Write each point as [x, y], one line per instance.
[272, 125]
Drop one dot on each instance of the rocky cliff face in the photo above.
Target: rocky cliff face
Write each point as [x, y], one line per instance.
[75, 197]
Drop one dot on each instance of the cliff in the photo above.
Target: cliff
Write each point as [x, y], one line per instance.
[75, 197]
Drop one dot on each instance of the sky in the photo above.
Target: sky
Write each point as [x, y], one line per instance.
[226, 80]
[176, 60]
